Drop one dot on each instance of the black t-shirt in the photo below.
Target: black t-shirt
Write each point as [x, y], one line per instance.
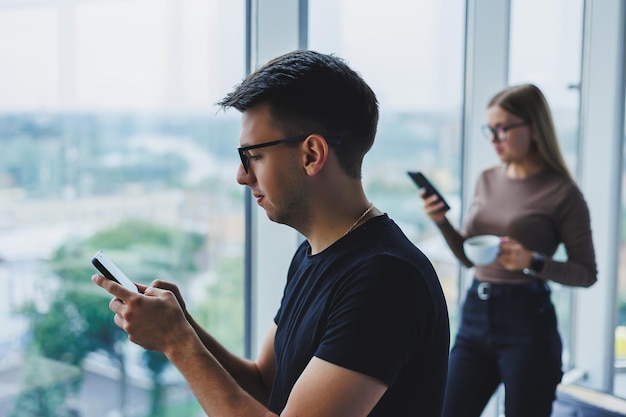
[372, 303]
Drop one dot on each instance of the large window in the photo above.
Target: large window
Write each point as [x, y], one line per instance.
[111, 141]
[411, 54]
[545, 49]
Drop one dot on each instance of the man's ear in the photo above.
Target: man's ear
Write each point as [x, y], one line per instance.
[315, 153]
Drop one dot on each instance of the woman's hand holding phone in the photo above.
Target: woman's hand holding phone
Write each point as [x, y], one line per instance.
[434, 207]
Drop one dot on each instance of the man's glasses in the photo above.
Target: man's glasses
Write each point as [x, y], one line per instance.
[500, 131]
[245, 157]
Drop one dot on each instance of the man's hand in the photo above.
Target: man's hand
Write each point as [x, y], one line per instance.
[164, 285]
[154, 319]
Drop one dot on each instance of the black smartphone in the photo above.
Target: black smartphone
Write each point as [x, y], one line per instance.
[111, 271]
[422, 182]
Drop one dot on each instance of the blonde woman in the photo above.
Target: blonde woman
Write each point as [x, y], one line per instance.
[508, 332]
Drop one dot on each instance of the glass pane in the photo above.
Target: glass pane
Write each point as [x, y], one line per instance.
[619, 387]
[413, 60]
[545, 49]
[111, 141]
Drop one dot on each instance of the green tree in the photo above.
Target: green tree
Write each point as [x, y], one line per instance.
[78, 320]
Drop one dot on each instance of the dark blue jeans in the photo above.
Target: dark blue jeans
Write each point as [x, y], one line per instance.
[508, 334]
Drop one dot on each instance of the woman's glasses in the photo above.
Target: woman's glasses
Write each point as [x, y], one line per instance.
[500, 131]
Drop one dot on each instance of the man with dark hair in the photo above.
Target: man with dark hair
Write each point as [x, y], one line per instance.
[362, 329]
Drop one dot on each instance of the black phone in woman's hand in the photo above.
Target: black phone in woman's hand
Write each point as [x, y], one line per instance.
[422, 182]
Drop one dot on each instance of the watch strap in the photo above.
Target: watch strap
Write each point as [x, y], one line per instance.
[536, 265]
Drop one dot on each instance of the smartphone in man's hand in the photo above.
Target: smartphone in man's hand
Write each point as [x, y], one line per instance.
[111, 271]
[422, 182]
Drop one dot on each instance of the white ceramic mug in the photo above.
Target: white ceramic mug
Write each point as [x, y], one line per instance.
[482, 249]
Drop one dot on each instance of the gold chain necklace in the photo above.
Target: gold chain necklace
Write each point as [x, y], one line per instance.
[367, 210]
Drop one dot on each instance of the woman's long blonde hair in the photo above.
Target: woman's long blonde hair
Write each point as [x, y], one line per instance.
[528, 102]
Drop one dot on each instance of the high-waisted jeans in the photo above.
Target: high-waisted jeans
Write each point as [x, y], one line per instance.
[508, 334]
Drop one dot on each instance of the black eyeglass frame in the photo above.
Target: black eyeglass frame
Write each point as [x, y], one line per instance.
[500, 131]
[245, 161]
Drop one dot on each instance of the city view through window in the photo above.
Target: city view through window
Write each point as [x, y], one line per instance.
[111, 141]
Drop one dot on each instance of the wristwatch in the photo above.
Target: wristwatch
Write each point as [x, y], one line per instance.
[536, 265]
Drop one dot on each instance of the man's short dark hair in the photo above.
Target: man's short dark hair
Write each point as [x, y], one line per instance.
[309, 92]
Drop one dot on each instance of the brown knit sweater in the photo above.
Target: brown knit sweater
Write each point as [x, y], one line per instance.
[540, 212]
